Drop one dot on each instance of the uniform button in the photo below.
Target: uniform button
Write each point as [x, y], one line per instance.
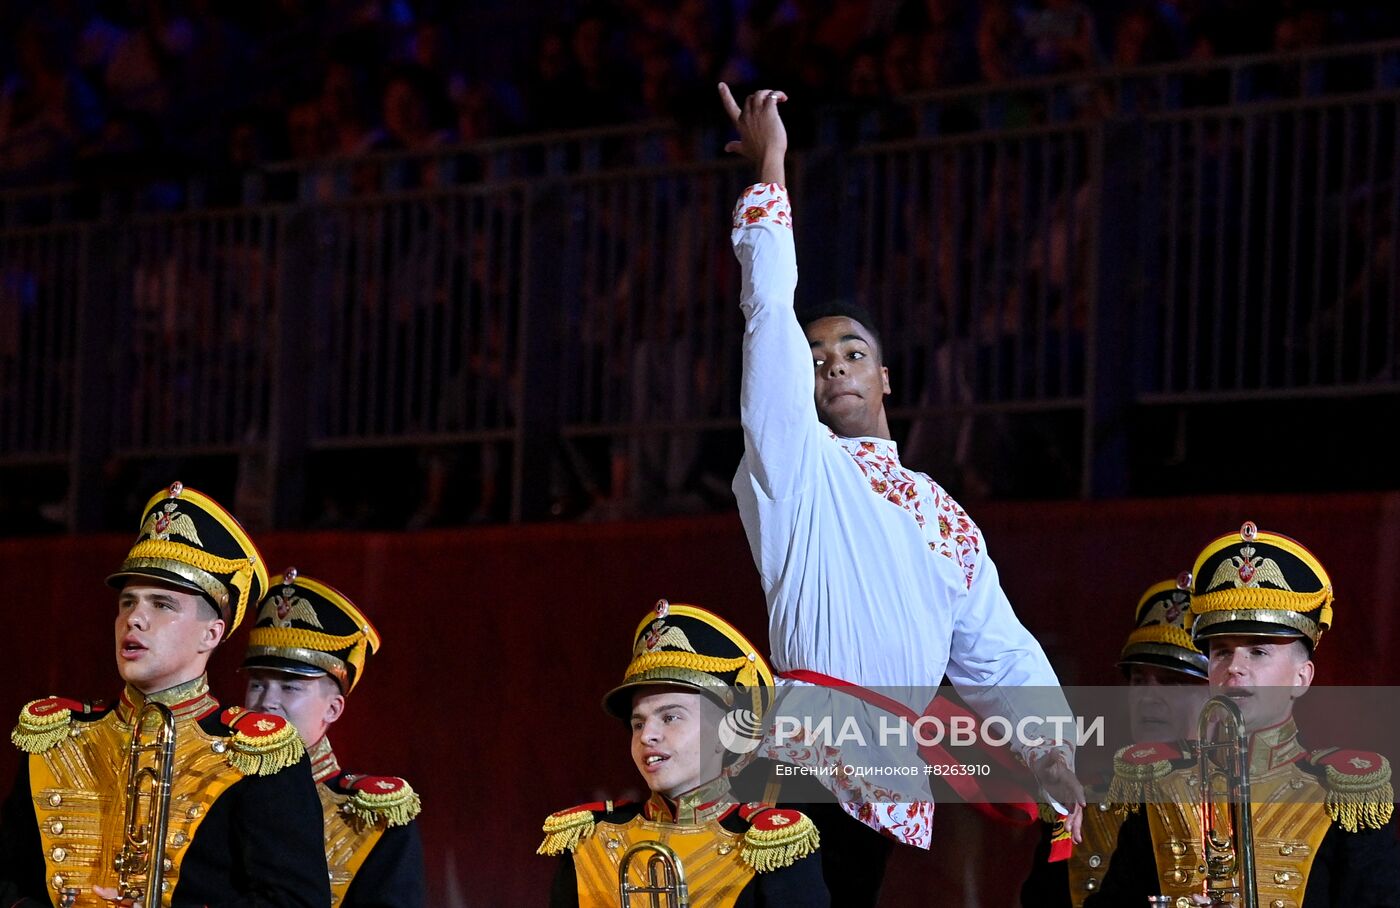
[1285, 849]
[1296, 784]
[1179, 876]
[1178, 848]
[218, 747]
[1277, 903]
[178, 839]
[59, 855]
[1091, 884]
[1103, 806]
[725, 848]
[55, 800]
[164, 885]
[58, 880]
[56, 827]
[1095, 860]
[1283, 876]
[193, 812]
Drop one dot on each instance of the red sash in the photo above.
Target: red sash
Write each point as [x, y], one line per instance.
[997, 798]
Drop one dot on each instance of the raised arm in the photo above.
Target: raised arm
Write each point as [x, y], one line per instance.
[776, 402]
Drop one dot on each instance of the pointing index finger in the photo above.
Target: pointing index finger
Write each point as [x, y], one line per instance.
[730, 107]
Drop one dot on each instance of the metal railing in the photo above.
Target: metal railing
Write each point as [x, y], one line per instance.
[40, 288]
[986, 107]
[1126, 92]
[1063, 274]
[197, 293]
[1276, 250]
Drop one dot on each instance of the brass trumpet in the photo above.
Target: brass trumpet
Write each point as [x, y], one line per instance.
[1227, 824]
[665, 878]
[141, 865]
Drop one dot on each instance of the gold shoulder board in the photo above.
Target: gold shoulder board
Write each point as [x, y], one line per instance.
[44, 723]
[566, 830]
[777, 838]
[1136, 770]
[261, 744]
[386, 800]
[1359, 793]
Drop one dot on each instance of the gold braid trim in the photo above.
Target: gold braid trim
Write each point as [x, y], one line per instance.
[1135, 783]
[204, 581]
[394, 808]
[178, 551]
[1357, 802]
[37, 733]
[296, 637]
[265, 754]
[1162, 633]
[1258, 597]
[747, 668]
[148, 552]
[773, 849]
[564, 831]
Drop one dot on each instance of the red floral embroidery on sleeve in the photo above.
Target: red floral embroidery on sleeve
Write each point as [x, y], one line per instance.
[761, 202]
[956, 536]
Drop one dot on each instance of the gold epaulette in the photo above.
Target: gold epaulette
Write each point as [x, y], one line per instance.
[1137, 769]
[261, 744]
[777, 837]
[381, 800]
[44, 723]
[1359, 793]
[563, 831]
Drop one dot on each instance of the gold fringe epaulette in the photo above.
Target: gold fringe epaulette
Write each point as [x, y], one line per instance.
[381, 800]
[45, 723]
[778, 838]
[1137, 769]
[1359, 793]
[261, 744]
[563, 831]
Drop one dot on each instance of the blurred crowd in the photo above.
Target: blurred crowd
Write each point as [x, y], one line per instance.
[981, 264]
[122, 88]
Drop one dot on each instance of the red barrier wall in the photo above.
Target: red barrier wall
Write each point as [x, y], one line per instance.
[499, 643]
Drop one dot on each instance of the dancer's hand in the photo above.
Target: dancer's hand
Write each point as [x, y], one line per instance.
[1058, 781]
[762, 135]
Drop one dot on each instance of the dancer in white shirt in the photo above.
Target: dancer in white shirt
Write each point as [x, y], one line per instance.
[874, 575]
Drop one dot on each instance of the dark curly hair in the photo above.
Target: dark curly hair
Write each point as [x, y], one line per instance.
[840, 308]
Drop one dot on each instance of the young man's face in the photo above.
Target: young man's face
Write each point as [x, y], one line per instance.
[1264, 675]
[311, 704]
[164, 634]
[1164, 705]
[675, 739]
[851, 383]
